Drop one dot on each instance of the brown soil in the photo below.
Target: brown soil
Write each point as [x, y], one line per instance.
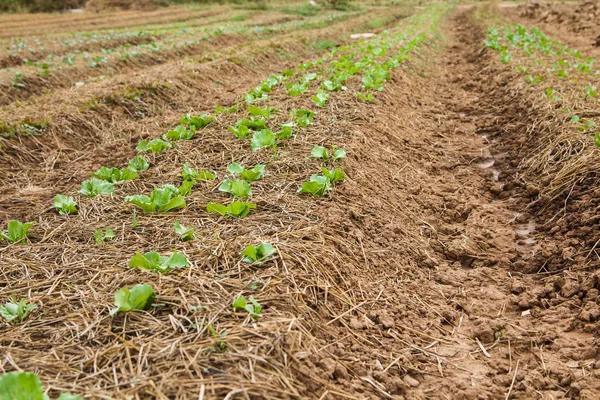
[435, 271]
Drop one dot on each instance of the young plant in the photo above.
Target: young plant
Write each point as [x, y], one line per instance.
[322, 153]
[253, 308]
[237, 209]
[238, 188]
[258, 255]
[65, 204]
[591, 92]
[241, 132]
[367, 98]
[139, 163]
[16, 231]
[263, 139]
[320, 99]
[152, 261]
[153, 146]
[335, 175]
[16, 312]
[26, 386]
[192, 175]
[115, 175]
[318, 186]
[261, 112]
[185, 233]
[180, 132]
[100, 237]
[198, 122]
[250, 175]
[94, 186]
[162, 199]
[139, 297]
[304, 118]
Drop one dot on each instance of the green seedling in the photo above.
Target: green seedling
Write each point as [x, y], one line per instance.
[322, 153]
[152, 261]
[162, 199]
[199, 121]
[253, 308]
[65, 205]
[94, 187]
[192, 175]
[238, 188]
[16, 231]
[115, 175]
[320, 99]
[258, 255]
[26, 386]
[237, 209]
[101, 237]
[12, 311]
[185, 233]
[139, 163]
[140, 297]
[180, 132]
[153, 146]
[250, 175]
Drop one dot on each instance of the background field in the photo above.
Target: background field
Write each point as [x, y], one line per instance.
[456, 256]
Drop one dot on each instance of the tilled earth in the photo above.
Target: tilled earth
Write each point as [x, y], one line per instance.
[440, 269]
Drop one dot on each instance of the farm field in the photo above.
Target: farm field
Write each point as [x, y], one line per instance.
[225, 202]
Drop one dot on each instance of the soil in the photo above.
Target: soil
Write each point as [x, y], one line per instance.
[442, 268]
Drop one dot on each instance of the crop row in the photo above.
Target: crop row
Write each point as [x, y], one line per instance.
[362, 68]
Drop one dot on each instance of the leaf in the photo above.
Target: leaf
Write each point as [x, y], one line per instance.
[190, 174]
[139, 163]
[69, 396]
[262, 139]
[258, 255]
[21, 386]
[16, 231]
[240, 132]
[140, 297]
[253, 123]
[335, 175]
[320, 99]
[239, 303]
[162, 199]
[115, 175]
[319, 152]
[198, 122]
[317, 186]
[286, 132]
[262, 112]
[237, 209]
[153, 146]
[181, 132]
[238, 188]
[339, 154]
[100, 237]
[65, 204]
[152, 261]
[16, 312]
[94, 186]
[184, 233]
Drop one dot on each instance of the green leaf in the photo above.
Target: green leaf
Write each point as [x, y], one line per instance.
[184, 233]
[239, 303]
[21, 386]
[335, 175]
[238, 188]
[304, 118]
[115, 175]
[140, 297]
[317, 186]
[65, 204]
[162, 199]
[597, 140]
[100, 237]
[16, 312]
[338, 154]
[320, 99]
[319, 152]
[235, 168]
[152, 261]
[153, 146]
[181, 132]
[16, 231]
[258, 255]
[199, 121]
[139, 163]
[261, 112]
[286, 132]
[237, 209]
[190, 174]
[250, 175]
[253, 123]
[262, 139]
[94, 186]
[69, 396]
[240, 132]
[253, 308]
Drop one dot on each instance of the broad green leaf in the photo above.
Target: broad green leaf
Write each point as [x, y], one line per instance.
[250, 175]
[338, 154]
[238, 188]
[199, 121]
[190, 174]
[16, 312]
[253, 123]
[235, 168]
[21, 386]
[184, 233]
[253, 308]
[320, 99]
[139, 163]
[319, 152]
[140, 297]
[317, 186]
[239, 302]
[115, 175]
[162, 199]
[237, 209]
[153, 146]
[16, 231]
[258, 255]
[261, 112]
[100, 236]
[334, 175]
[180, 132]
[65, 204]
[262, 139]
[152, 261]
[240, 132]
[285, 133]
[94, 186]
